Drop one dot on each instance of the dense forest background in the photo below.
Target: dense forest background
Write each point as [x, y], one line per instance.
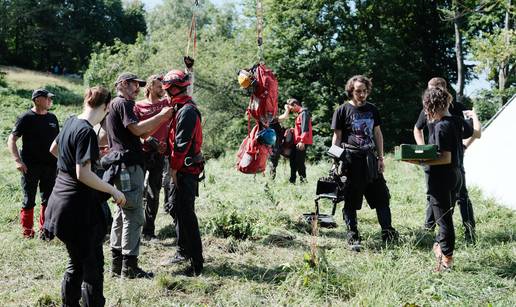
[314, 46]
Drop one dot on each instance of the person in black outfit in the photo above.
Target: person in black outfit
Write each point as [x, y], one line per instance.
[444, 178]
[74, 212]
[37, 128]
[356, 126]
[469, 134]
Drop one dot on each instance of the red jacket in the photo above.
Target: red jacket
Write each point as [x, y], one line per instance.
[303, 128]
[185, 135]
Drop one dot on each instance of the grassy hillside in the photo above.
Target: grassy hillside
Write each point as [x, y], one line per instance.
[268, 267]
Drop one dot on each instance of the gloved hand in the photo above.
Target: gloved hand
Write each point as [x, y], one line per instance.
[189, 61]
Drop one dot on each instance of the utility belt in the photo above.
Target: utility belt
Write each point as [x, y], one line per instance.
[196, 161]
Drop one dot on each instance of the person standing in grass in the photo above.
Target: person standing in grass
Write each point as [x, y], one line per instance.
[124, 131]
[37, 128]
[302, 139]
[154, 148]
[186, 165]
[356, 128]
[74, 211]
[444, 176]
[469, 134]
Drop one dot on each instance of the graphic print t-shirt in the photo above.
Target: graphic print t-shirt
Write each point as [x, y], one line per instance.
[356, 123]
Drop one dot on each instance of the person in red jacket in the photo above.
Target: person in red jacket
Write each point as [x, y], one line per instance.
[186, 164]
[302, 138]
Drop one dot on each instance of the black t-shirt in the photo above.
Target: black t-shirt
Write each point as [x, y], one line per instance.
[456, 110]
[356, 123]
[121, 114]
[77, 144]
[447, 137]
[37, 132]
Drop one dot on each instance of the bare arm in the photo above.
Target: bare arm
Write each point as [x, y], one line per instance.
[13, 149]
[285, 114]
[337, 137]
[145, 128]
[86, 176]
[419, 136]
[378, 139]
[54, 149]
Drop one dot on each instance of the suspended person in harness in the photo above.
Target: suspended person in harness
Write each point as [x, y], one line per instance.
[356, 126]
[186, 164]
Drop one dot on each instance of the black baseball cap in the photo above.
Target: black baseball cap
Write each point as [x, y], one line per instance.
[41, 92]
[127, 76]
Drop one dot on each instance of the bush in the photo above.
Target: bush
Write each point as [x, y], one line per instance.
[489, 102]
[230, 223]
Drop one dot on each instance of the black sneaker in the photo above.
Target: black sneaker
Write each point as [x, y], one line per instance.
[149, 238]
[177, 258]
[389, 235]
[354, 240]
[470, 236]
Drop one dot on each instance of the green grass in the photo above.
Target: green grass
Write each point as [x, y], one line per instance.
[268, 268]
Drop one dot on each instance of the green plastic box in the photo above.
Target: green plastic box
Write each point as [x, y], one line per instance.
[415, 152]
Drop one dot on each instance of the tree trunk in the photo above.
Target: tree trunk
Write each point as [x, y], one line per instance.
[458, 52]
[503, 72]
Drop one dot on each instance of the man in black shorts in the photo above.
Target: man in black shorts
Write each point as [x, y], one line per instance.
[38, 128]
[356, 126]
[124, 132]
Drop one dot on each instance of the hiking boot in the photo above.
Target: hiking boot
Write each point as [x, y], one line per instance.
[353, 237]
[116, 263]
[177, 258]
[389, 235]
[303, 180]
[194, 270]
[131, 270]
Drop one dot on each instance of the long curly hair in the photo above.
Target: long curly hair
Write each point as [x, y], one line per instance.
[435, 101]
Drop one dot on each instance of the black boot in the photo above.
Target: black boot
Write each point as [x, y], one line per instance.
[131, 270]
[116, 262]
[389, 235]
[195, 269]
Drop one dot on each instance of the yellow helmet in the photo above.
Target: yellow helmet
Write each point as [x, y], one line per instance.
[245, 78]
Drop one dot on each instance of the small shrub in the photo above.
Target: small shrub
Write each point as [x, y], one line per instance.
[230, 223]
[3, 83]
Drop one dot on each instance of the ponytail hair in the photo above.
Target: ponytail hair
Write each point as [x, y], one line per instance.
[96, 96]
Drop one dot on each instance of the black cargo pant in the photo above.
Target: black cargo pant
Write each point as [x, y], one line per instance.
[154, 164]
[187, 227]
[442, 188]
[297, 163]
[43, 175]
[465, 205]
[276, 149]
[376, 193]
[84, 274]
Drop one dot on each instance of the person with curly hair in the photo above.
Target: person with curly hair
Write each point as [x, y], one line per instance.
[444, 177]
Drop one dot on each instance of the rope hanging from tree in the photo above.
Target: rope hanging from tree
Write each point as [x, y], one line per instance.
[192, 32]
[259, 29]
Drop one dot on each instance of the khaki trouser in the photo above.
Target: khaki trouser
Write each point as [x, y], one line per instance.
[128, 221]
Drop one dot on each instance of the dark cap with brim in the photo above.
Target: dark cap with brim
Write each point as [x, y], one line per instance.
[41, 92]
[126, 76]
